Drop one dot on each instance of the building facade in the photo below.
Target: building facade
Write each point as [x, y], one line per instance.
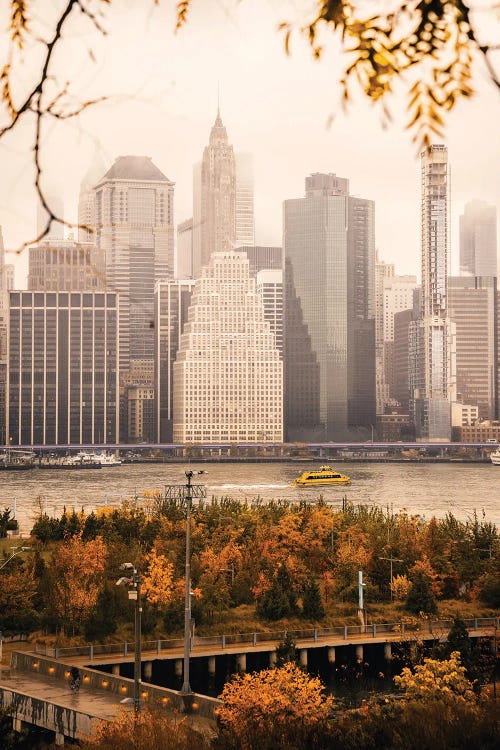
[63, 370]
[329, 327]
[473, 307]
[172, 300]
[262, 258]
[244, 206]
[64, 265]
[270, 287]
[228, 376]
[478, 239]
[135, 232]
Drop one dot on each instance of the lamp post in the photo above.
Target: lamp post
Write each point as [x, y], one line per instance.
[391, 560]
[186, 687]
[15, 551]
[134, 594]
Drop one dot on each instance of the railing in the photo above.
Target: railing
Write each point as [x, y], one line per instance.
[343, 632]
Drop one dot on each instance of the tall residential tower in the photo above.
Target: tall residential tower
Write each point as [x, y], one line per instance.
[434, 338]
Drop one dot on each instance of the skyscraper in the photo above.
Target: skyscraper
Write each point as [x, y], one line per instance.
[244, 207]
[172, 300]
[214, 198]
[86, 199]
[434, 381]
[63, 368]
[228, 376]
[394, 293]
[478, 239]
[474, 309]
[270, 287]
[329, 251]
[135, 231]
[184, 254]
[4, 315]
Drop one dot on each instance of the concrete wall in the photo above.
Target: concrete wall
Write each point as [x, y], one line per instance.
[63, 721]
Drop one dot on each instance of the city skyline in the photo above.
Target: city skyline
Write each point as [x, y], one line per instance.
[280, 117]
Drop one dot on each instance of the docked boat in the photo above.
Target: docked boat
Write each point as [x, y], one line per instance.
[108, 459]
[80, 460]
[325, 475]
[16, 460]
[495, 457]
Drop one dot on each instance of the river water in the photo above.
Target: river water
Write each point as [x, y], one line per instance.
[421, 488]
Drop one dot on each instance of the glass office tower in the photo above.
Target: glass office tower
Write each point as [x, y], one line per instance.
[329, 251]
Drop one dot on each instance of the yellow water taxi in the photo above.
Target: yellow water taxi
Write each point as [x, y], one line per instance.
[323, 475]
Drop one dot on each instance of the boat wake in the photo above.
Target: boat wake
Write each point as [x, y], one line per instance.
[249, 486]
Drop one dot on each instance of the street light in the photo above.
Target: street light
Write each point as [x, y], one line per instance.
[186, 691]
[16, 551]
[392, 560]
[134, 594]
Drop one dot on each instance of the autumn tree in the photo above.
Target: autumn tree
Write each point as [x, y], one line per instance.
[157, 580]
[441, 680]
[76, 572]
[273, 710]
[151, 729]
[18, 588]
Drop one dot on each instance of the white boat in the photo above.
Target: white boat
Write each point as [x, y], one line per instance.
[83, 458]
[108, 459]
[495, 457]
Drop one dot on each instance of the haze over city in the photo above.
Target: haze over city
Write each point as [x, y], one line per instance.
[284, 110]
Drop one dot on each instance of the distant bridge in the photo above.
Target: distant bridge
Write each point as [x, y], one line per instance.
[367, 445]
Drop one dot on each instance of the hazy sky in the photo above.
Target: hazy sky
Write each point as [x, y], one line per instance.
[274, 106]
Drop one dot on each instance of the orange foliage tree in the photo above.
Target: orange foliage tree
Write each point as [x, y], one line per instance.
[157, 581]
[76, 571]
[276, 708]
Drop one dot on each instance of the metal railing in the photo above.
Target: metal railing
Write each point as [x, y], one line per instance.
[225, 640]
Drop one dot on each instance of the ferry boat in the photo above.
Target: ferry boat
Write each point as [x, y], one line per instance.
[325, 475]
[495, 457]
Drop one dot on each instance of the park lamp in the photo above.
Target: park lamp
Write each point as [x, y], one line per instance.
[134, 582]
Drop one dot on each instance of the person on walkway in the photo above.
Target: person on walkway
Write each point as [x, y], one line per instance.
[74, 678]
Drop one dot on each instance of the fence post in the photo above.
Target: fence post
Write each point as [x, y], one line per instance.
[345, 632]
[91, 651]
[56, 653]
[475, 623]
[374, 630]
[255, 639]
[158, 646]
[125, 648]
[402, 627]
[223, 637]
[315, 634]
